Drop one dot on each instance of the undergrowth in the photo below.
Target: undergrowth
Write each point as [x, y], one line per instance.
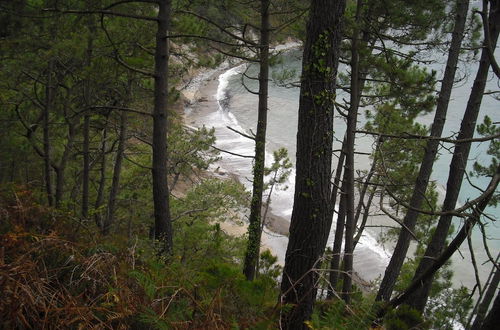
[57, 274]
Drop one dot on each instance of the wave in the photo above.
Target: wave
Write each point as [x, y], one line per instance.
[371, 257]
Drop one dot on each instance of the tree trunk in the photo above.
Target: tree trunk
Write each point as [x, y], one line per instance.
[485, 303]
[163, 223]
[264, 217]
[254, 232]
[311, 215]
[339, 229]
[426, 276]
[457, 166]
[366, 214]
[493, 318]
[102, 180]
[337, 244]
[352, 117]
[115, 184]
[47, 149]
[60, 168]
[398, 257]
[86, 124]
[86, 166]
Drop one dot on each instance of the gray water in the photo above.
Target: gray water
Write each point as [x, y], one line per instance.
[282, 128]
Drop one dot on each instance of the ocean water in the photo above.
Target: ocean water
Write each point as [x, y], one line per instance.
[237, 108]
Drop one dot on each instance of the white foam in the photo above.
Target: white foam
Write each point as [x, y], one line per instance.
[224, 82]
[282, 200]
[286, 46]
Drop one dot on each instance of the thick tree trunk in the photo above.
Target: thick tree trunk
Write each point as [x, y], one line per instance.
[163, 223]
[493, 318]
[311, 215]
[457, 166]
[115, 184]
[393, 269]
[485, 303]
[254, 232]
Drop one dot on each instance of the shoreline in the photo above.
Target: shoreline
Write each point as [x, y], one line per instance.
[371, 257]
[200, 102]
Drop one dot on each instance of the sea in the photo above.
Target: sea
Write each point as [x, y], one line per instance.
[236, 107]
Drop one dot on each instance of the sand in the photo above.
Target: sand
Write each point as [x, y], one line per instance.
[200, 101]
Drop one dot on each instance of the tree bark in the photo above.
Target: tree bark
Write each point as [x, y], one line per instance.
[339, 229]
[60, 168]
[352, 116]
[102, 180]
[493, 318]
[115, 184]
[86, 166]
[485, 303]
[47, 149]
[458, 164]
[337, 244]
[311, 215]
[393, 269]
[426, 276]
[86, 122]
[254, 232]
[163, 221]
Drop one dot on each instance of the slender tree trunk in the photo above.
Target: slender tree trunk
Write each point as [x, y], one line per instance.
[311, 215]
[163, 222]
[352, 118]
[115, 184]
[86, 125]
[86, 166]
[337, 190]
[254, 232]
[393, 269]
[457, 166]
[366, 214]
[47, 149]
[337, 245]
[60, 168]
[264, 217]
[102, 180]
[438, 262]
[364, 189]
[485, 303]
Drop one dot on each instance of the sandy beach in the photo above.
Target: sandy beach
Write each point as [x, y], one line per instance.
[201, 103]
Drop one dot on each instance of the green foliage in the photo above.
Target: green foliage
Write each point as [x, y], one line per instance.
[77, 281]
[336, 315]
[397, 159]
[404, 318]
[268, 266]
[446, 305]
[190, 150]
[196, 221]
[280, 169]
[488, 128]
